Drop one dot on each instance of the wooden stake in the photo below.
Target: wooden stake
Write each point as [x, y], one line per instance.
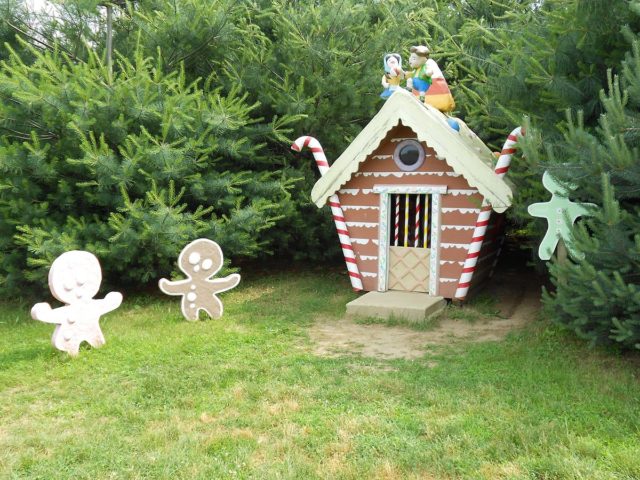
[562, 258]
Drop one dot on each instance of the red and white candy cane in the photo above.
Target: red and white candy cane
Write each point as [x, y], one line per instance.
[502, 167]
[336, 210]
[416, 235]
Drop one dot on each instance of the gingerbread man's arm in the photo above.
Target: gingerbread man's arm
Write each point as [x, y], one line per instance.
[44, 313]
[179, 287]
[538, 209]
[226, 283]
[110, 302]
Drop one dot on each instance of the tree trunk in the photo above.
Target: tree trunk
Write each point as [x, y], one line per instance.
[110, 41]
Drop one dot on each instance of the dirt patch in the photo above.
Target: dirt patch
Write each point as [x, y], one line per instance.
[339, 337]
[517, 303]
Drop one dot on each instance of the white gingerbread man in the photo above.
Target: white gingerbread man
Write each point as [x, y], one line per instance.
[74, 279]
[200, 260]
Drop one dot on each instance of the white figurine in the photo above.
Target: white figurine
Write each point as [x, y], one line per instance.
[74, 279]
[393, 74]
[200, 260]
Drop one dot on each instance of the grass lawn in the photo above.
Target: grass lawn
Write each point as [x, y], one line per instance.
[245, 397]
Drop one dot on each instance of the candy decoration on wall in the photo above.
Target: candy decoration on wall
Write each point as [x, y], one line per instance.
[393, 74]
[199, 261]
[501, 168]
[557, 211]
[396, 230]
[74, 279]
[416, 226]
[336, 210]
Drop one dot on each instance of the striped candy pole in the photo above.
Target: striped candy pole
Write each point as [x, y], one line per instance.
[469, 267]
[416, 236]
[406, 220]
[396, 233]
[336, 210]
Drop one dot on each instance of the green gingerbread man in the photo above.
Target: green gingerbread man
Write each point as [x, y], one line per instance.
[555, 211]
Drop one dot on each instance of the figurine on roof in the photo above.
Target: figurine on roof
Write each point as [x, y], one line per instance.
[427, 82]
[419, 77]
[393, 74]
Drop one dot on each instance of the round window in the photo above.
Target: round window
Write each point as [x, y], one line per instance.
[409, 155]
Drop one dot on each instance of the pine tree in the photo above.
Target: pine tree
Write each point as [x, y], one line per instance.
[598, 294]
[130, 170]
[14, 19]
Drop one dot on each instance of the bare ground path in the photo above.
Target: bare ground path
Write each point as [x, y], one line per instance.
[515, 289]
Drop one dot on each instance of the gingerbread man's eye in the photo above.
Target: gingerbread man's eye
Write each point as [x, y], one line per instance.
[194, 258]
[207, 264]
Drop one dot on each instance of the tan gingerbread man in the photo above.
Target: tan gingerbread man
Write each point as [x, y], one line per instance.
[200, 260]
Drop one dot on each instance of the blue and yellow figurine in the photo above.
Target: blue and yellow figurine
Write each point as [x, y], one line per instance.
[393, 74]
[427, 82]
[419, 77]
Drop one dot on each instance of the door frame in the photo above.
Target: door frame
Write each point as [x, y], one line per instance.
[385, 191]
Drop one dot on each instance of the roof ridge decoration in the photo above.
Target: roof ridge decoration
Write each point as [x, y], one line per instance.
[463, 151]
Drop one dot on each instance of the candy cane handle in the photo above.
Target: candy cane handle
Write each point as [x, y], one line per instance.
[336, 210]
[469, 267]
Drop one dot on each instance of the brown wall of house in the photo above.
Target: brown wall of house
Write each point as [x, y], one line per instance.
[490, 249]
[459, 209]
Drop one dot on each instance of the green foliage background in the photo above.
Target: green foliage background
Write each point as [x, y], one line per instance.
[189, 136]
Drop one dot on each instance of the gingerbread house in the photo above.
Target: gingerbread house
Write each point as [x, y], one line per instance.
[412, 189]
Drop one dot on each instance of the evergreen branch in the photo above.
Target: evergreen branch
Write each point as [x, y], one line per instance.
[44, 44]
[204, 44]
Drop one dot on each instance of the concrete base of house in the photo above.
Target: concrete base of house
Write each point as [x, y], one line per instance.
[411, 306]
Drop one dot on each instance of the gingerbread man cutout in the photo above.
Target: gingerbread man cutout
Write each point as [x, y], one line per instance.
[74, 279]
[200, 260]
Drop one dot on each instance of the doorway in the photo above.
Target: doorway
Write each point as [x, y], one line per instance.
[409, 242]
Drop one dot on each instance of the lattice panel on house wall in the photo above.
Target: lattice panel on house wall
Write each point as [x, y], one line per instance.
[409, 269]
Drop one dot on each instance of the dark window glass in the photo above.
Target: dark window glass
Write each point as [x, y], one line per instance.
[409, 154]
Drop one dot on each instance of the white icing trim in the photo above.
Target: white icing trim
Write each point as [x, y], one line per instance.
[461, 210]
[457, 227]
[368, 274]
[404, 174]
[355, 191]
[464, 246]
[466, 192]
[362, 224]
[450, 262]
[368, 257]
[359, 207]
[448, 280]
[432, 189]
